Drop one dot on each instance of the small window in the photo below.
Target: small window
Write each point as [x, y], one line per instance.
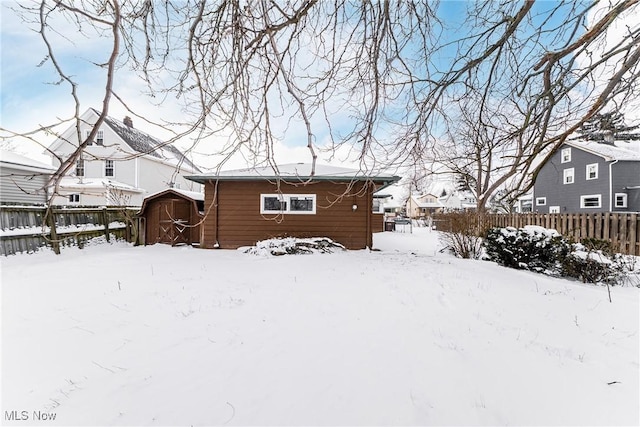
[591, 201]
[74, 198]
[554, 209]
[301, 203]
[621, 200]
[592, 171]
[565, 155]
[568, 176]
[541, 201]
[377, 206]
[288, 203]
[86, 136]
[99, 137]
[273, 204]
[109, 168]
[80, 167]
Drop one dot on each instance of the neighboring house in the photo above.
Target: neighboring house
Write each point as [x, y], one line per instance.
[248, 205]
[457, 201]
[120, 167]
[420, 206]
[172, 216]
[590, 177]
[23, 180]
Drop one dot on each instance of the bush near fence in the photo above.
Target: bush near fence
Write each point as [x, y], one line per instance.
[22, 228]
[622, 230]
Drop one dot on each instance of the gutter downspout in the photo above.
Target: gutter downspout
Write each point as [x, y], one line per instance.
[611, 185]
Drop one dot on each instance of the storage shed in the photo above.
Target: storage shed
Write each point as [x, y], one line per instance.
[248, 205]
[172, 217]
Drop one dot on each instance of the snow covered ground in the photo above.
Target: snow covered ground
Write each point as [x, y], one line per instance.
[121, 335]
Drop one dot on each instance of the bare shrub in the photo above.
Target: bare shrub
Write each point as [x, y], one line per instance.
[462, 233]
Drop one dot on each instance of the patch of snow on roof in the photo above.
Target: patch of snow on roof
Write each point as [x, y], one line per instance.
[147, 144]
[16, 159]
[622, 150]
[95, 183]
[295, 170]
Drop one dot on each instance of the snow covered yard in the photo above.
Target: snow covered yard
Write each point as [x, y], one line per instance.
[119, 335]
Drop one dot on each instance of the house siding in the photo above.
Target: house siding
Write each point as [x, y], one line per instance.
[626, 179]
[234, 220]
[550, 183]
[20, 186]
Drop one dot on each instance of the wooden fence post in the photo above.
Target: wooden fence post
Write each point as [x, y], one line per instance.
[53, 234]
[105, 221]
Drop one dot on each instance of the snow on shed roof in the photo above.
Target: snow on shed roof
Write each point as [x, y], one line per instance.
[296, 171]
[194, 195]
[622, 150]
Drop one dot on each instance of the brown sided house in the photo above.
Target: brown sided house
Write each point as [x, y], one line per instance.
[248, 205]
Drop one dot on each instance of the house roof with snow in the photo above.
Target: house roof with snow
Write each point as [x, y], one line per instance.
[298, 172]
[144, 143]
[17, 161]
[621, 150]
[421, 201]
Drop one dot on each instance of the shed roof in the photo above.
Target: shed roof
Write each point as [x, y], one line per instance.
[193, 195]
[298, 172]
[622, 150]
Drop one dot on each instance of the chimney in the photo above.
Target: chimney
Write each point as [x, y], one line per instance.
[608, 137]
[128, 122]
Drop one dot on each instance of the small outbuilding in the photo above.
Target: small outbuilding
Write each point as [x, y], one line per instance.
[172, 217]
[248, 205]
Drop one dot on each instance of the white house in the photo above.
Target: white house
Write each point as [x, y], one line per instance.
[120, 167]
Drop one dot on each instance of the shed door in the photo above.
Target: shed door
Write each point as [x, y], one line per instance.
[173, 222]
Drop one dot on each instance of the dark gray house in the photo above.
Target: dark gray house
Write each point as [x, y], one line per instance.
[590, 176]
[23, 180]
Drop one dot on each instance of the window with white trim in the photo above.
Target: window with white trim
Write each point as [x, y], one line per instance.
[568, 176]
[565, 155]
[99, 137]
[591, 201]
[109, 168]
[300, 204]
[554, 209]
[377, 206]
[592, 171]
[621, 200]
[541, 201]
[74, 198]
[80, 167]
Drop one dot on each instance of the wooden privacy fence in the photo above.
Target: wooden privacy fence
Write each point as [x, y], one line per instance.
[22, 228]
[621, 229]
